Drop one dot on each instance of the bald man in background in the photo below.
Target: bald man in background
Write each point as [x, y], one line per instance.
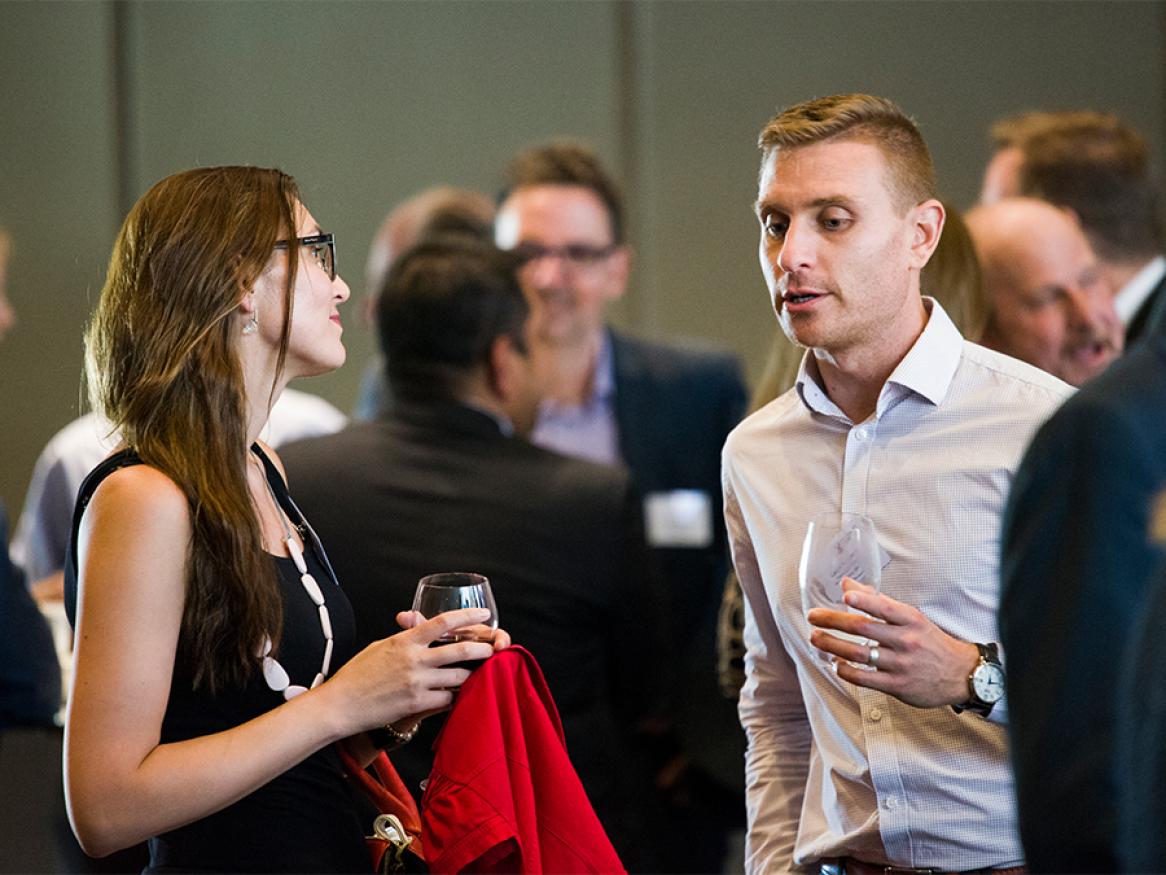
[440, 210]
[1048, 302]
[1097, 166]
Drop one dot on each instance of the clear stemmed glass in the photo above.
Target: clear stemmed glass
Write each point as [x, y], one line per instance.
[451, 590]
[838, 545]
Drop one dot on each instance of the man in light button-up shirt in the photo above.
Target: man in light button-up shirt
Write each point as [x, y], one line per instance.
[896, 417]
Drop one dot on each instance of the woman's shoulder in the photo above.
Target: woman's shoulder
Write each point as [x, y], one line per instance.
[141, 497]
[269, 451]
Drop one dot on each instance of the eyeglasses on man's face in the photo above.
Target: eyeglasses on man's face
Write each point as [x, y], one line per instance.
[322, 247]
[573, 254]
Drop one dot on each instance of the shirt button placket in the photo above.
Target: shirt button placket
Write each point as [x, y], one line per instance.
[860, 446]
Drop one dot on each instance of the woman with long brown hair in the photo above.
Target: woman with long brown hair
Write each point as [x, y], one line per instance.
[214, 669]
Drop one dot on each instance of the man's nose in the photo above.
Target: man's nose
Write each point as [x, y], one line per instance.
[797, 249]
[1090, 307]
[547, 270]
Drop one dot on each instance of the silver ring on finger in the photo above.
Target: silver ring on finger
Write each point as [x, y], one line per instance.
[872, 658]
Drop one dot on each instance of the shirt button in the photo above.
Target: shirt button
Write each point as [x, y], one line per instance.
[876, 714]
[860, 434]
[892, 803]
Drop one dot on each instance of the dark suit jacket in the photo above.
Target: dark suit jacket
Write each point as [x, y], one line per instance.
[1141, 729]
[437, 487]
[674, 408]
[1076, 560]
[30, 677]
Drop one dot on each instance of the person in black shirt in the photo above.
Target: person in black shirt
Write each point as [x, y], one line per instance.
[214, 650]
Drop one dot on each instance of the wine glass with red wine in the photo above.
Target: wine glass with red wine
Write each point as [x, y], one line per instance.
[450, 591]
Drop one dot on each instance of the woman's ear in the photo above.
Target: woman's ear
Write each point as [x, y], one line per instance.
[247, 304]
[249, 310]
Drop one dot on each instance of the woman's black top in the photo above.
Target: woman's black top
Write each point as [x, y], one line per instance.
[304, 820]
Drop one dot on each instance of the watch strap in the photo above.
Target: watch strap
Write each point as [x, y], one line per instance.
[989, 655]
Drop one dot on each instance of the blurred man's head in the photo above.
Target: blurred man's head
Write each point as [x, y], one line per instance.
[1049, 304]
[1090, 163]
[563, 214]
[444, 210]
[454, 325]
[7, 313]
[1002, 175]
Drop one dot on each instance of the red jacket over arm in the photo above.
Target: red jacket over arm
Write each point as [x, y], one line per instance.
[503, 795]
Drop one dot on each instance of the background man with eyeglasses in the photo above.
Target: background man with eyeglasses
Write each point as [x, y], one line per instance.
[664, 413]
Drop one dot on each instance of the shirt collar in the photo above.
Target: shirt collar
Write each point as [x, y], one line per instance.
[604, 385]
[602, 381]
[1134, 293]
[927, 369]
[502, 421]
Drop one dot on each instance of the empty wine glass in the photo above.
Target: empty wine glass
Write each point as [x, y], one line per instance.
[838, 545]
[452, 590]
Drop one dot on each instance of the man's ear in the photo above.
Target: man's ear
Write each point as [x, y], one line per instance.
[619, 267]
[500, 367]
[928, 218]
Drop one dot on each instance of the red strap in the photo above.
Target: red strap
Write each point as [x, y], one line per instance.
[386, 791]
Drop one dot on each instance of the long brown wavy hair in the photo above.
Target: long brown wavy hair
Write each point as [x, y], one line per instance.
[161, 366]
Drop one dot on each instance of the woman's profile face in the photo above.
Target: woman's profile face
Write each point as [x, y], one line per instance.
[314, 344]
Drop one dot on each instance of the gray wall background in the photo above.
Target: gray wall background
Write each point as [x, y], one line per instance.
[366, 103]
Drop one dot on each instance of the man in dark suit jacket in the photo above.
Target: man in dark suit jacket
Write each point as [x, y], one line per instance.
[30, 677]
[1077, 560]
[664, 413]
[1141, 731]
[444, 481]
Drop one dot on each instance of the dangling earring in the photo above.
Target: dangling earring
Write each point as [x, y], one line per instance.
[253, 323]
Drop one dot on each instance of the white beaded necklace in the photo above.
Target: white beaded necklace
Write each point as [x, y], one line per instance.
[275, 674]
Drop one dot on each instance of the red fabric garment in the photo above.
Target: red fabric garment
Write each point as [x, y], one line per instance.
[503, 795]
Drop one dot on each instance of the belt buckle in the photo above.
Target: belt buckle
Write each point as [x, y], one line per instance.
[907, 870]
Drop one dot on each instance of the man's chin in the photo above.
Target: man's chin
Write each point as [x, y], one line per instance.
[565, 333]
[791, 332]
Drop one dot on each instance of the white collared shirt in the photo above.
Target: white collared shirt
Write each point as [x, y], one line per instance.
[1133, 294]
[832, 769]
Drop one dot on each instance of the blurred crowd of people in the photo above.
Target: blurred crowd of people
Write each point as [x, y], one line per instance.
[987, 387]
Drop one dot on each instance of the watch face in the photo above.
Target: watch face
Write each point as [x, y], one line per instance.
[988, 683]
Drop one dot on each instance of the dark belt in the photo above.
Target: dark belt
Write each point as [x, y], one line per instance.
[851, 866]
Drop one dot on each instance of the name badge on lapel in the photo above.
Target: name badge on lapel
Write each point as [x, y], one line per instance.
[678, 518]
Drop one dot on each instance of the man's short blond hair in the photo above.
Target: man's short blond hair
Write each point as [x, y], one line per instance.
[863, 118]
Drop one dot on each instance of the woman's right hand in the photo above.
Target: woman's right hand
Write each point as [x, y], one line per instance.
[402, 677]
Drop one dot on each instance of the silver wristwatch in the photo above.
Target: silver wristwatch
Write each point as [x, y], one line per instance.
[985, 683]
